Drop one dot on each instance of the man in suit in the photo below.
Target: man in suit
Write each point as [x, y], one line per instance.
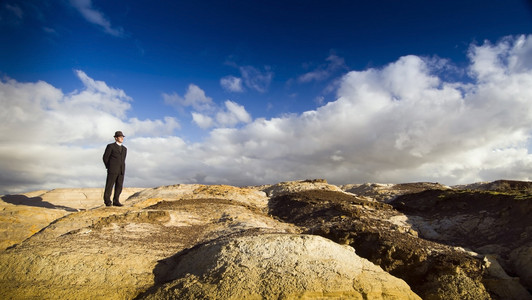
[114, 159]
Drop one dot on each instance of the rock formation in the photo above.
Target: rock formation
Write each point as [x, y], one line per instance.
[275, 266]
[292, 240]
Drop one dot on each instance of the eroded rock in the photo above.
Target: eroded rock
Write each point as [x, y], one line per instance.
[387, 192]
[445, 243]
[297, 186]
[276, 267]
[112, 252]
[432, 270]
[24, 215]
[491, 223]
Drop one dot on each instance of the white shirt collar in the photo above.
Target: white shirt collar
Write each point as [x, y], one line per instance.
[119, 144]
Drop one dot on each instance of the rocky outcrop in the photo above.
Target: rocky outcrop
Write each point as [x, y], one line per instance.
[292, 240]
[507, 186]
[275, 266]
[433, 271]
[113, 252]
[495, 224]
[287, 187]
[386, 192]
[21, 216]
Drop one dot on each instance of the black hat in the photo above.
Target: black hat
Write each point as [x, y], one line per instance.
[119, 133]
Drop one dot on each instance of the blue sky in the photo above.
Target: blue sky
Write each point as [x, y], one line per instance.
[256, 92]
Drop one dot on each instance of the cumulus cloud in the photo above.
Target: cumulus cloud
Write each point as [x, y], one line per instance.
[232, 115]
[53, 139]
[232, 84]
[229, 116]
[203, 121]
[400, 123]
[194, 97]
[96, 17]
[207, 114]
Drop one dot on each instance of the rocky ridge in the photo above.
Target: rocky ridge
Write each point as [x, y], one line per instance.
[292, 240]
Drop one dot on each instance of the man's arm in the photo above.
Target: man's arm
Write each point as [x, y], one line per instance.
[106, 156]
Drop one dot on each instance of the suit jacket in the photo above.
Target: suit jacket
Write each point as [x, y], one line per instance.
[114, 158]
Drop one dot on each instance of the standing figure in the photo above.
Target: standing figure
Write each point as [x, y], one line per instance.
[114, 159]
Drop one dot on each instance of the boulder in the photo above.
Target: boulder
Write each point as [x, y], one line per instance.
[276, 266]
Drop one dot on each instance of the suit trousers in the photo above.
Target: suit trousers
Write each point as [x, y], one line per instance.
[117, 180]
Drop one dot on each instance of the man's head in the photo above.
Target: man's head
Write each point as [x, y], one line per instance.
[119, 137]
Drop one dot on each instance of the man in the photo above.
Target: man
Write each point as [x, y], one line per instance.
[114, 159]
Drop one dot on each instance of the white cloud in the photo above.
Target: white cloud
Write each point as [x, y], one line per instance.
[149, 127]
[195, 97]
[203, 121]
[232, 115]
[232, 84]
[96, 17]
[399, 123]
[51, 139]
[207, 114]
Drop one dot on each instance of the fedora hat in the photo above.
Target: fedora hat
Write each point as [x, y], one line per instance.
[119, 133]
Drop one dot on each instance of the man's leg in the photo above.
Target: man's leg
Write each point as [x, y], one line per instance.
[111, 179]
[118, 188]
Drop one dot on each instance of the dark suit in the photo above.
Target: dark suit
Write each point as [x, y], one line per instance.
[114, 159]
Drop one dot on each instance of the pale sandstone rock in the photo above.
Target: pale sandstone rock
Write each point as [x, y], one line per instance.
[82, 198]
[21, 216]
[18, 223]
[245, 196]
[73, 199]
[297, 186]
[274, 266]
[113, 252]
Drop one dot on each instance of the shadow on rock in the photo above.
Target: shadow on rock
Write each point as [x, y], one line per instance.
[166, 270]
[34, 201]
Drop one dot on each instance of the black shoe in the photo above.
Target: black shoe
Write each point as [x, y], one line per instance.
[118, 204]
[108, 204]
